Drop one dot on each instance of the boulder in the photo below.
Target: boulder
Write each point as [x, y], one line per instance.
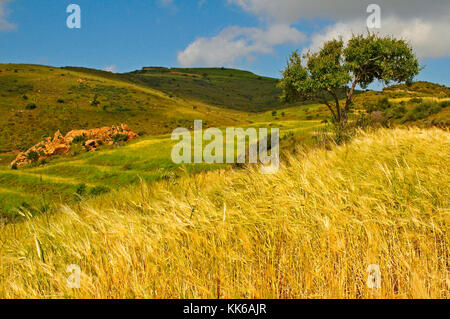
[60, 144]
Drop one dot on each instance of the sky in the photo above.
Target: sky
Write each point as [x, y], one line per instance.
[255, 35]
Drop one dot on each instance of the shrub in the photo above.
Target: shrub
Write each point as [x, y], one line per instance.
[95, 101]
[422, 111]
[416, 100]
[14, 166]
[384, 103]
[274, 113]
[79, 139]
[81, 189]
[445, 104]
[24, 97]
[397, 112]
[120, 138]
[32, 156]
[30, 106]
[99, 190]
[60, 101]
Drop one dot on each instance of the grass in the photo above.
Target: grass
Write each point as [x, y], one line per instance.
[309, 231]
[147, 159]
[31, 105]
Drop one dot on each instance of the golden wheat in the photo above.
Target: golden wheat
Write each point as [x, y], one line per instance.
[309, 231]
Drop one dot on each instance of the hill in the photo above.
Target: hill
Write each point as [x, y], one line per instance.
[419, 88]
[221, 87]
[36, 101]
[309, 231]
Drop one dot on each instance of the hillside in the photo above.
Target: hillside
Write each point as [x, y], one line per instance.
[36, 101]
[226, 88]
[309, 231]
[420, 104]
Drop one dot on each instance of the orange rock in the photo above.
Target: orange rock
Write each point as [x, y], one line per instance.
[60, 144]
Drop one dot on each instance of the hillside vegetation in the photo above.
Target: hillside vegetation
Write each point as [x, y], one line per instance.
[309, 231]
[36, 101]
[221, 87]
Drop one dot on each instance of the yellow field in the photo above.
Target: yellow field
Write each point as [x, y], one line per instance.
[309, 231]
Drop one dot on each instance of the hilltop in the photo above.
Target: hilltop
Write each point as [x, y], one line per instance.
[221, 87]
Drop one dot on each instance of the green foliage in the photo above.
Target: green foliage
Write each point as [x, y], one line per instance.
[32, 156]
[30, 106]
[99, 190]
[396, 112]
[120, 138]
[384, 103]
[81, 189]
[95, 101]
[416, 100]
[445, 104]
[422, 111]
[338, 67]
[61, 101]
[79, 139]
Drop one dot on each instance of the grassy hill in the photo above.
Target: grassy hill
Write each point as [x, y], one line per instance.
[309, 231]
[36, 101]
[227, 88]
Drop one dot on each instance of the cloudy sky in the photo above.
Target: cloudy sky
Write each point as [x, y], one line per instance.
[257, 35]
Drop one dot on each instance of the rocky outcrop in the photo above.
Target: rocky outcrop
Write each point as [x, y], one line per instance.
[60, 144]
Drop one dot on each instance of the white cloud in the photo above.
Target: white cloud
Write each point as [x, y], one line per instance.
[293, 10]
[236, 43]
[111, 68]
[428, 38]
[424, 23]
[4, 24]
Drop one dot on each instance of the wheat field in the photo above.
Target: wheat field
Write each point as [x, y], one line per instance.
[309, 231]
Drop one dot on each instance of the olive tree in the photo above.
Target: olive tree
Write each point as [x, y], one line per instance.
[338, 68]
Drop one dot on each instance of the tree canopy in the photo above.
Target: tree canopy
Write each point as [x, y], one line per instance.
[339, 67]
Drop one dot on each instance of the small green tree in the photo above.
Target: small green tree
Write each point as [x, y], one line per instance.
[337, 69]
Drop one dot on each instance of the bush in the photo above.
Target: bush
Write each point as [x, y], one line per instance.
[99, 190]
[24, 97]
[445, 104]
[274, 113]
[14, 166]
[60, 101]
[416, 100]
[30, 106]
[95, 102]
[384, 103]
[81, 189]
[32, 156]
[79, 139]
[397, 112]
[422, 111]
[120, 138]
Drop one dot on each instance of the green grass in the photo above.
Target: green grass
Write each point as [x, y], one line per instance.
[146, 159]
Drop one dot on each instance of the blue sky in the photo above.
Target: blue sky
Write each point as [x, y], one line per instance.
[124, 35]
